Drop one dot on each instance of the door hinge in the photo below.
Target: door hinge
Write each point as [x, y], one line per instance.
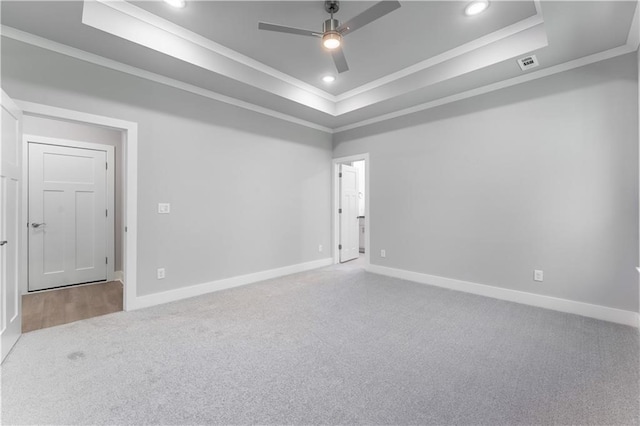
[339, 246]
[106, 212]
[106, 260]
[340, 174]
[339, 210]
[126, 229]
[106, 166]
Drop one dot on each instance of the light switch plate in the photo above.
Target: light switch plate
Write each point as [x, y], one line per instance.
[160, 273]
[164, 208]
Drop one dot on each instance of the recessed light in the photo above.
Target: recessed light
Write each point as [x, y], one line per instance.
[176, 3]
[475, 7]
[328, 79]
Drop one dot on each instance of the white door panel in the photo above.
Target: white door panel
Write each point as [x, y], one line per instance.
[349, 235]
[67, 216]
[10, 181]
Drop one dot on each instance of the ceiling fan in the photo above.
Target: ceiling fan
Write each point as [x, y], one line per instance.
[333, 32]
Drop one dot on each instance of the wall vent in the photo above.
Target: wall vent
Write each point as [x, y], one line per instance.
[528, 62]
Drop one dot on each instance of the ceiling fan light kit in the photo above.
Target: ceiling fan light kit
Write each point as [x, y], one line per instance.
[333, 32]
[331, 40]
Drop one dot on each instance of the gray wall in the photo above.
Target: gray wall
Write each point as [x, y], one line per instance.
[40, 126]
[543, 175]
[248, 192]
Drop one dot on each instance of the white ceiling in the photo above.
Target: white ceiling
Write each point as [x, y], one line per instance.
[424, 54]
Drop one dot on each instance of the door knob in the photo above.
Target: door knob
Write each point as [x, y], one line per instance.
[3, 242]
[38, 225]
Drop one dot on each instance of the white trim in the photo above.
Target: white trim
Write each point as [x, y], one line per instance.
[562, 305]
[96, 17]
[130, 184]
[117, 23]
[185, 34]
[336, 202]
[110, 192]
[545, 72]
[633, 38]
[118, 276]
[631, 46]
[463, 49]
[226, 283]
[82, 55]
[141, 27]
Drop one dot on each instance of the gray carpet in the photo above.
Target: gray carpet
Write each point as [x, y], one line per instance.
[333, 346]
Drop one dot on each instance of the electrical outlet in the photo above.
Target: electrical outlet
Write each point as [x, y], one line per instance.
[320, 248]
[383, 253]
[538, 275]
[160, 273]
[164, 208]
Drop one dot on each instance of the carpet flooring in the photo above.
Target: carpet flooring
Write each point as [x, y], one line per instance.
[336, 345]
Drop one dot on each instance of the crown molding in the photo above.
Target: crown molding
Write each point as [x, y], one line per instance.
[520, 43]
[476, 44]
[545, 72]
[139, 26]
[162, 38]
[631, 45]
[82, 55]
[160, 23]
[633, 39]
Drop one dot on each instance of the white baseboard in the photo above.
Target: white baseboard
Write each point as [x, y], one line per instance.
[118, 276]
[563, 305]
[210, 287]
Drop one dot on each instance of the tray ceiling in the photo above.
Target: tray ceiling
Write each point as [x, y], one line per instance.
[423, 54]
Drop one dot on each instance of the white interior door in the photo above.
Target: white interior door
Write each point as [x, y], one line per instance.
[349, 235]
[10, 176]
[67, 216]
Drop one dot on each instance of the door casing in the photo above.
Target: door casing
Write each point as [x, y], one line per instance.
[11, 278]
[130, 188]
[336, 204]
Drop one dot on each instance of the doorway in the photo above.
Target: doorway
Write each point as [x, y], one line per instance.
[57, 123]
[13, 205]
[352, 219]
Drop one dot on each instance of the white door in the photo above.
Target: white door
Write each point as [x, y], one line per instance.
[10, 176]
[67, 216]
[349, 235]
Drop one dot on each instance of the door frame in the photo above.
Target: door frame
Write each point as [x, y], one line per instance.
[110, 192]
[336, 203]
[130, 188]
[12, 330]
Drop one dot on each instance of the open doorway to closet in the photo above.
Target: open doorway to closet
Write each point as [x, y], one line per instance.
[351, 209]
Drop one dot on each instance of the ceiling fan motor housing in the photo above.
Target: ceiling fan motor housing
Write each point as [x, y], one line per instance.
[330, 25]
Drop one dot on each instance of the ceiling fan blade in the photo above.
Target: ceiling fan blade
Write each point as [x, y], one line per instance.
[376, 11]
[339, 60]
[289, 30]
